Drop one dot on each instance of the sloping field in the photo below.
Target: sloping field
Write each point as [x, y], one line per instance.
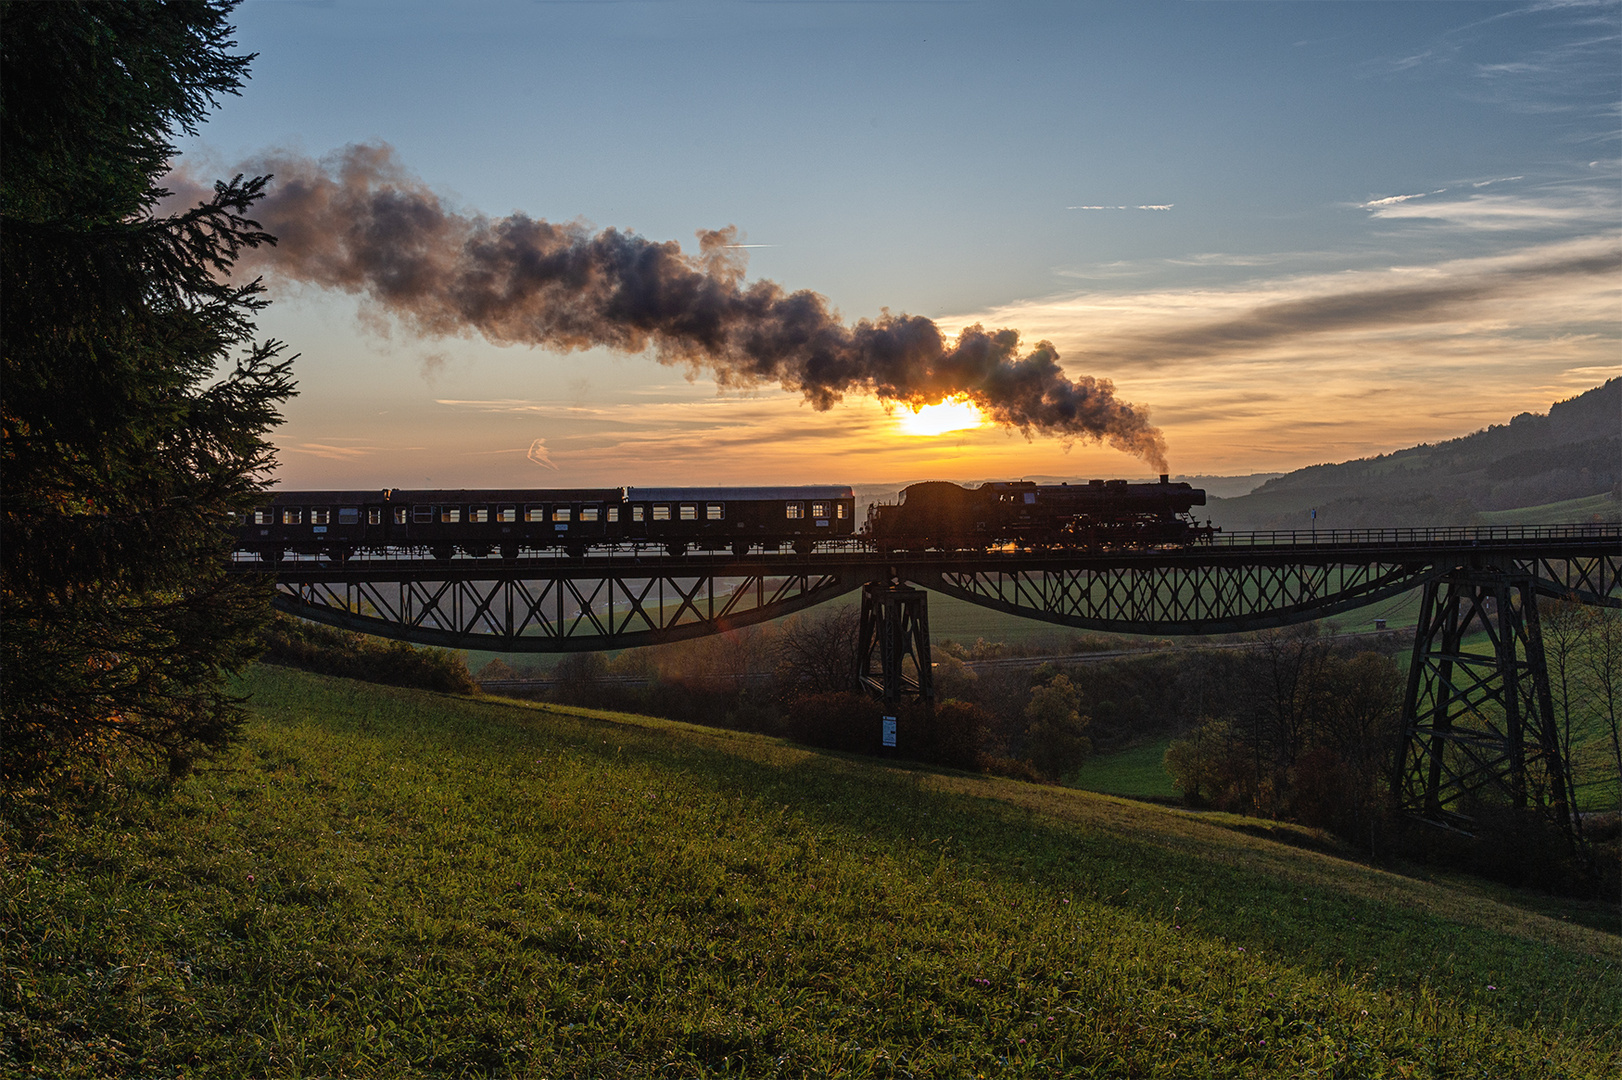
[1571, 511]
[383, 882]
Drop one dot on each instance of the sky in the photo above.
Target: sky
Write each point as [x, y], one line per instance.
[1285, 233]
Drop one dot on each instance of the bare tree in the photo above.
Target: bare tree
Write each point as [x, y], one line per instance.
[816, 653]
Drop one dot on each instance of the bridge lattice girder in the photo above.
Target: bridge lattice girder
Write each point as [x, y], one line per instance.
[564, 605]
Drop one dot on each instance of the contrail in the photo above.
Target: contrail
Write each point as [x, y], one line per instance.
[361, 223]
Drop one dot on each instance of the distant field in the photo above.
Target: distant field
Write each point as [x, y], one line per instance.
[382, 882]
[1138, 771]
[1572, 511]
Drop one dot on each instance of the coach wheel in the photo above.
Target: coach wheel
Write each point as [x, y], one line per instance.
[270, 555]
[509, 552]
[338, 555]
[442, 552]
[802, 547]
[575, 551]
[740, 548]
[676, 549]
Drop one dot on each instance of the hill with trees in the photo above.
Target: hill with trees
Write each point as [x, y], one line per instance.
[1572, 452]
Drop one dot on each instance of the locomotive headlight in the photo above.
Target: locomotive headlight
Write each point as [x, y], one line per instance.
[952, 414]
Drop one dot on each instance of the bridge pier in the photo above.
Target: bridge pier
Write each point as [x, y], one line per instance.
[895, 624]
[1478, 717]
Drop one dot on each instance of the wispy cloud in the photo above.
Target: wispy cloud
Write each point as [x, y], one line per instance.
[1148, 206]
[1393, 200]
[343, 453]
[1282, 370]
[537, 453]
[1566, 209]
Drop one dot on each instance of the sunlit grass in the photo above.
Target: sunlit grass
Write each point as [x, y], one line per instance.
[391, 882]
[1137, 771]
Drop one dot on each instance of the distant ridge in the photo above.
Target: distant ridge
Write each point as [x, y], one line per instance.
[1572, 452]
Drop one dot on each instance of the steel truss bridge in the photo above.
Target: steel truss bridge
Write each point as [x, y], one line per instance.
[1478, 717]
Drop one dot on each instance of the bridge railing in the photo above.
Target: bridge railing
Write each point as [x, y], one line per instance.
[1450, 535]
[1445, 534]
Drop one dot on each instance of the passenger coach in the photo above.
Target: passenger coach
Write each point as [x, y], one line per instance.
[509, 522]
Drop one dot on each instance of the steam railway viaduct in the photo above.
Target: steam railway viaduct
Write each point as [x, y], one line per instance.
[1478, 711]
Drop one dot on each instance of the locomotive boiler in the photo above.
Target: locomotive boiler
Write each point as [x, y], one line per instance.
[1099, 514]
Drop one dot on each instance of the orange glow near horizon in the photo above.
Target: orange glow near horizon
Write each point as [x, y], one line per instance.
[953, 414]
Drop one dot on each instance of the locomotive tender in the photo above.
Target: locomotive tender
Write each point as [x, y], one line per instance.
[510, 522]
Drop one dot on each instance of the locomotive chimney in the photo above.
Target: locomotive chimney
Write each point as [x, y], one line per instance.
[1165, 478]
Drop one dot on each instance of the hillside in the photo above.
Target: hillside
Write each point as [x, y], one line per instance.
[380, 881]
[1572, 452]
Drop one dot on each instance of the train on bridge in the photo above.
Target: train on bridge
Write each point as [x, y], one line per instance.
[513, 522]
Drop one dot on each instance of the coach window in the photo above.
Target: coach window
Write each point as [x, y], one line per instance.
[292, 516]
[613, 513]
[507, 513]
[661, 512]
[689, 511]
[712, 512]
[794, 511]
[449, 514]
[264, 515]
[534, 513]
[349, 515]
[638, 513]
[422, 514]
[840, 510]
[561, 513]
[319, 515]
[819, 510]
[590, 513]
[478, 513]
[374, 515]
[399, 515]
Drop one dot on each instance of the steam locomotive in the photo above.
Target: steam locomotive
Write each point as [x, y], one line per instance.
[483, 523]
[1098, 514]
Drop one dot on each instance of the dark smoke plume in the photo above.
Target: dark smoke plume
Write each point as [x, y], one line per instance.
[362, 224]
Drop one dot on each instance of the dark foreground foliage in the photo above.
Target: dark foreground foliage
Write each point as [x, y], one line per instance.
[124, 454]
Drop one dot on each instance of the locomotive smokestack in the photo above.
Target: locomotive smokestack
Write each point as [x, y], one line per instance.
[362, 224]
[1165, 478]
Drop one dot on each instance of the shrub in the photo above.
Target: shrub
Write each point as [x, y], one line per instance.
[327, 651]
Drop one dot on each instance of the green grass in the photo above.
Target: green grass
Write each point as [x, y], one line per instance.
[384, 882]
[1589, 508]
[1137, 771]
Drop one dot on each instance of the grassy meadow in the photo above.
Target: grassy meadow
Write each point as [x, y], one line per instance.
[386, 882]
[1137, 771]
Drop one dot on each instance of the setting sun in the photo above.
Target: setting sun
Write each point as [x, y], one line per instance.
[951, 415]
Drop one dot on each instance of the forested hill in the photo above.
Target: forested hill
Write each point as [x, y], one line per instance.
[1573, 452]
